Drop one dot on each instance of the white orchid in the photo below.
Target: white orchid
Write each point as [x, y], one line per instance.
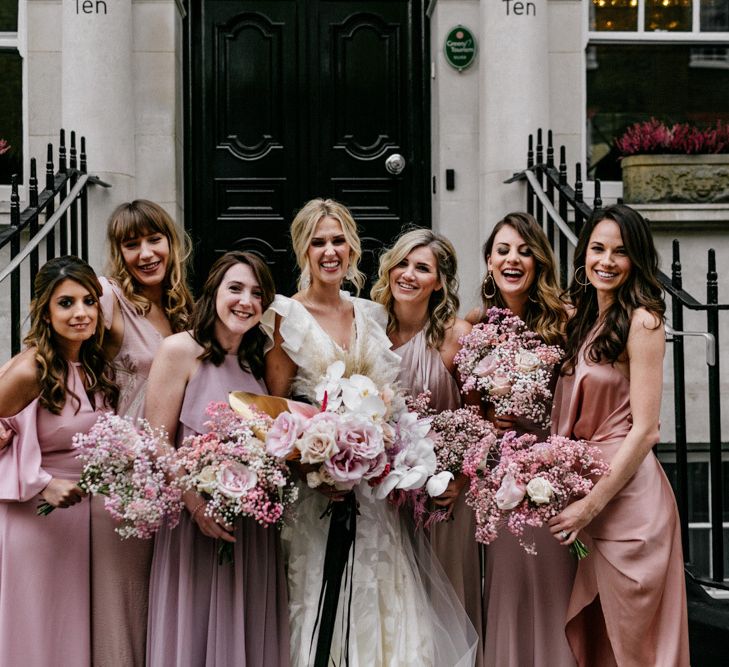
[361, 395]
[331, 386]
[437, 484]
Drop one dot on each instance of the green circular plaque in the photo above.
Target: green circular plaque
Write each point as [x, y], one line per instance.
[460, 48]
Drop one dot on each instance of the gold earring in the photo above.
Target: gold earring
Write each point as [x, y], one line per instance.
[488, 277]
[577, 280]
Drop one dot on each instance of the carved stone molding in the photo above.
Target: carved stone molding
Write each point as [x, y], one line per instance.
[691, 179]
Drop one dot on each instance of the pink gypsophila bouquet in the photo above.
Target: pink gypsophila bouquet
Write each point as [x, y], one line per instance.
[363, 433]
[453, 432]
[510, 365]
[125, 463]
[526, 483]
[230, 467]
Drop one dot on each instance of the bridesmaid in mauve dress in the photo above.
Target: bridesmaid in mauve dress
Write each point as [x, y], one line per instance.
[628, 605]
[145, 299]
[525, 596]
[418, 285]
[56, 388]
[202, 613]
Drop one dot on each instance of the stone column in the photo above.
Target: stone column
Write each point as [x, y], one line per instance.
[98, 101]
[514, 98]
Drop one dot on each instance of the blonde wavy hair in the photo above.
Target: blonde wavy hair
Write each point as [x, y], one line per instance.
[545, 311]
[302, 231]
[444, 303]
[52, 367]
[140, 218]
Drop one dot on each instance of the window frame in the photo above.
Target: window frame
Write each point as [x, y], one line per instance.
[614, 189]
[18, 41]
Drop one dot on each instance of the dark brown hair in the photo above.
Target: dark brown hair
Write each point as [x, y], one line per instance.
[52, 367]
[205, 314]
[641, 290]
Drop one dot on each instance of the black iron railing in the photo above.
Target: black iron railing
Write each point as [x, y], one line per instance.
[562, 211]
[55, 222]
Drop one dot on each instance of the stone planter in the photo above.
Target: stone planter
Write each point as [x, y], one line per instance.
[689, 179]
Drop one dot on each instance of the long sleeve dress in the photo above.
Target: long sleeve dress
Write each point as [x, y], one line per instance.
[401, 611]
[422, 369]
[121, 582]
[45, 588]
[202, 614]
[628, 604]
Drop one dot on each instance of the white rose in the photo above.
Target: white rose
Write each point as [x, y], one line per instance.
[540, 490]
[526, 362]
[206, 480]
[319, 442]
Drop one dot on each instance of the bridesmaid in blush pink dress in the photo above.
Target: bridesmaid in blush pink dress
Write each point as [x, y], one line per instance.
[628, 605]
[202, 613]
[525, 596]
[45, 589]
[418, 286]
[145, 299]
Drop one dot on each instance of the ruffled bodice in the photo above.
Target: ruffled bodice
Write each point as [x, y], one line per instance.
[140, 343]
[422, 369]
[313, 350]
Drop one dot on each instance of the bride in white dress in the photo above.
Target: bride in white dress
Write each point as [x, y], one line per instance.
[397, 609]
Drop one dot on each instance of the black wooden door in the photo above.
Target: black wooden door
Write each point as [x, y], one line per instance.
[292, 100]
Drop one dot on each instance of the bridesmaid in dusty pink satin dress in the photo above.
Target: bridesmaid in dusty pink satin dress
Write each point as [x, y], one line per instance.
[45, 588]
[418, 286]
[628, 605]
[202, 613]
[525, 596]
[145, 299]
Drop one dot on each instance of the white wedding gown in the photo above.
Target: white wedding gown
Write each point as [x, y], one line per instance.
[403, 610]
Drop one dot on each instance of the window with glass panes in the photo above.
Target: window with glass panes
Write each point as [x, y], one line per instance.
[11, 94]
[666, 59]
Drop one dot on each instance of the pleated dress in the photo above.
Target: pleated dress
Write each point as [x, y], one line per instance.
[202, 613]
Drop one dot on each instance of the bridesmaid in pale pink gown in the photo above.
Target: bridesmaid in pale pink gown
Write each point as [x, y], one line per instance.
[628, 606]
[202, 613]
[55, 388]
[418, 286]
[525, 596]
[145, 299]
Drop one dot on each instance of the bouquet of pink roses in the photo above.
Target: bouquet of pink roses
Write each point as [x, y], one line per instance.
[362, 433]
[230, 467]
[510, 365]
[124, 463]
[453, 432]
[527, 483]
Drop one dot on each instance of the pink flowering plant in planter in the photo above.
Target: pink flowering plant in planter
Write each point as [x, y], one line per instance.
[652, 137]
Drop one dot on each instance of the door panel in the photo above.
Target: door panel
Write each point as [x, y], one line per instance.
[297, 99]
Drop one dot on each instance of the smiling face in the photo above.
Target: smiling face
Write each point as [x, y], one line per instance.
[72, 312]
[415, 277]
[146, 258]
[512, 264]
[328, 252]
[607, 264]
[238, 300]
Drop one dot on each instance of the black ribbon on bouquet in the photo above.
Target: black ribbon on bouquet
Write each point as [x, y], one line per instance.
[340, 543]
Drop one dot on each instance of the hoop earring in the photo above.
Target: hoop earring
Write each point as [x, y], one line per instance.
[577, 280]
[533, 300]
[488, 277]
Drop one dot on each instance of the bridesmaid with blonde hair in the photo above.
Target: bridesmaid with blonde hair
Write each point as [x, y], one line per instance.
[418, 286]
[628, 604]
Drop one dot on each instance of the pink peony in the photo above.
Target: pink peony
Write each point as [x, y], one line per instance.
[235, 479]
[283, 434]
[510, 493]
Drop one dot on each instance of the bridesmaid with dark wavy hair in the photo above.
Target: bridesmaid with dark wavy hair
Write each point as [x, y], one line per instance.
[628, 604]
[58, 386]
